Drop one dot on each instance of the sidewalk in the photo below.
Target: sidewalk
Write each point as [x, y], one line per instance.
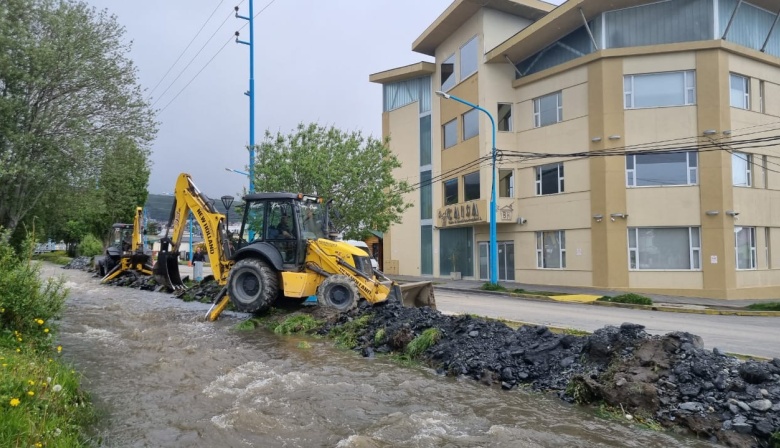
[658, 299]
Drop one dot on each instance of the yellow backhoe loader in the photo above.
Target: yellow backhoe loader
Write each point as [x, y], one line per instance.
[282, 250]
[126, 251]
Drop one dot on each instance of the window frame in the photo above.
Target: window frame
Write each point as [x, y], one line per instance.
[761, 96]
[694, 249]
[688, 87]
[691, 171]
[444, 190]
[453, 76]
[538, 176]
[479, 186]
[538, 109]
[453, 122]
[745, 92]
[511, 185]
[508, 120]
[748, 168]
[463, 76]
[472, 113]
[541, 252]
[753, 259]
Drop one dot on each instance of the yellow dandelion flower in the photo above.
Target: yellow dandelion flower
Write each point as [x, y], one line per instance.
[18, 350]
[45, 330]
[39, 321]
[5, 365]
[19, 339]
[31, 382]
[50, 360]
[14, 402]
[38, 445]
[30, 393]
[59, 349]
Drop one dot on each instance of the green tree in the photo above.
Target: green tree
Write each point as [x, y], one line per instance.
[70, 104]
[356, 172]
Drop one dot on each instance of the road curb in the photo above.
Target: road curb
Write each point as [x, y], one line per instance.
[665, 309]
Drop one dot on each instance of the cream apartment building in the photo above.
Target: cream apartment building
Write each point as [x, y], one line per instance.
[637, 145]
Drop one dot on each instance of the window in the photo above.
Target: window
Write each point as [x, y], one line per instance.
[451, 191]
[470, 124]
[426, 195]
[549, 179]
[740, 91]
[504, 117]
[658, 169]
[659, 89]
[761, 97]
[450, 133]
[471, 186]
[551, 250]
[448, 73]
[671, 248]
[745, 245]
[425, 140]
[469, 55]
[426, 250]
[741, 164]
[506, 183]
[548, 109]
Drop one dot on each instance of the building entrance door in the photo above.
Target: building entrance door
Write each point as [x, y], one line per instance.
[506, 260]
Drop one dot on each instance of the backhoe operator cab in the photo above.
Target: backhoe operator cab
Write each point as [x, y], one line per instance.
[126, 252]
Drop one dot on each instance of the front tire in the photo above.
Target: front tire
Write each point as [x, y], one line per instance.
[252, 286]
[338, 292]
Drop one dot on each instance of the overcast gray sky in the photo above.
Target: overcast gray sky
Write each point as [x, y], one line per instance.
[312, 61]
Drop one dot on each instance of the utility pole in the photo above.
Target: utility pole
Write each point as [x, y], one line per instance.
[251, 92]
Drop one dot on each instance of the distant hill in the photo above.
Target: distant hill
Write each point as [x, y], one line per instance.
[158, 207]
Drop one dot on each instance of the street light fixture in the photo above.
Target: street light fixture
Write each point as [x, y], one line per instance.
[227, 201]
[493, 206]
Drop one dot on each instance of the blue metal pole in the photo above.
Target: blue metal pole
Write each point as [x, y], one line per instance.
[251, 92]
[493, 205]
[190, 238]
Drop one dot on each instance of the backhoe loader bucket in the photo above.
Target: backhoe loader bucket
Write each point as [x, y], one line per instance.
[166, 271]
[415, 295]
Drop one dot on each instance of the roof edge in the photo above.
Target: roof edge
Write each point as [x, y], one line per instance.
[411, 71]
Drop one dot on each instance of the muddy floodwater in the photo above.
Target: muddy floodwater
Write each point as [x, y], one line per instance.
[162, 377]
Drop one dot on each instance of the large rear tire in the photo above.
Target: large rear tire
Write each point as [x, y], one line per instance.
[252, 286]
[338, 292]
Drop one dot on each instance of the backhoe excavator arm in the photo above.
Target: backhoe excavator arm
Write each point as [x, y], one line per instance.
[188, 198]
[138, 242]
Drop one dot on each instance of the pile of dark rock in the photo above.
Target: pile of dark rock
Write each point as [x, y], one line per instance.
[671, 379]
[82, 263]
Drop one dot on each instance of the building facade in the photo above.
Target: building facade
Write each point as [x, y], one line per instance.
[638, 145]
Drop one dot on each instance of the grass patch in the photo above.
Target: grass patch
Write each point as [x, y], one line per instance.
[404, 360]
[571, 331]
[303, 345]
[246, 325]
[631, 298]
[57, 257]
[422, 342]
[770, 306]
[538, 293]
[301, 323]
[346, 335]
[774, 441]
[41, 403]
[379, 336]
[487, 286]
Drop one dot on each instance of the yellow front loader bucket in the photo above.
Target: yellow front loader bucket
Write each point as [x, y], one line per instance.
[415, 295]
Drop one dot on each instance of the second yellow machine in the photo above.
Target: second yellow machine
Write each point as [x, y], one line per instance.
[282, 250]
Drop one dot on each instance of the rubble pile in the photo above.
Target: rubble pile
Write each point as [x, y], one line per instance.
[82, 263]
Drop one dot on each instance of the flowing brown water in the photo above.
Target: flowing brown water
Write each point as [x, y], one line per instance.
[165, 378]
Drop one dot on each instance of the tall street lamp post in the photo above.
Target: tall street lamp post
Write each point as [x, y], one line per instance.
[493, 205]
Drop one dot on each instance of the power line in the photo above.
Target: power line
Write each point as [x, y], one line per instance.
[196, 74]
[192, 60]
[185, 49]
